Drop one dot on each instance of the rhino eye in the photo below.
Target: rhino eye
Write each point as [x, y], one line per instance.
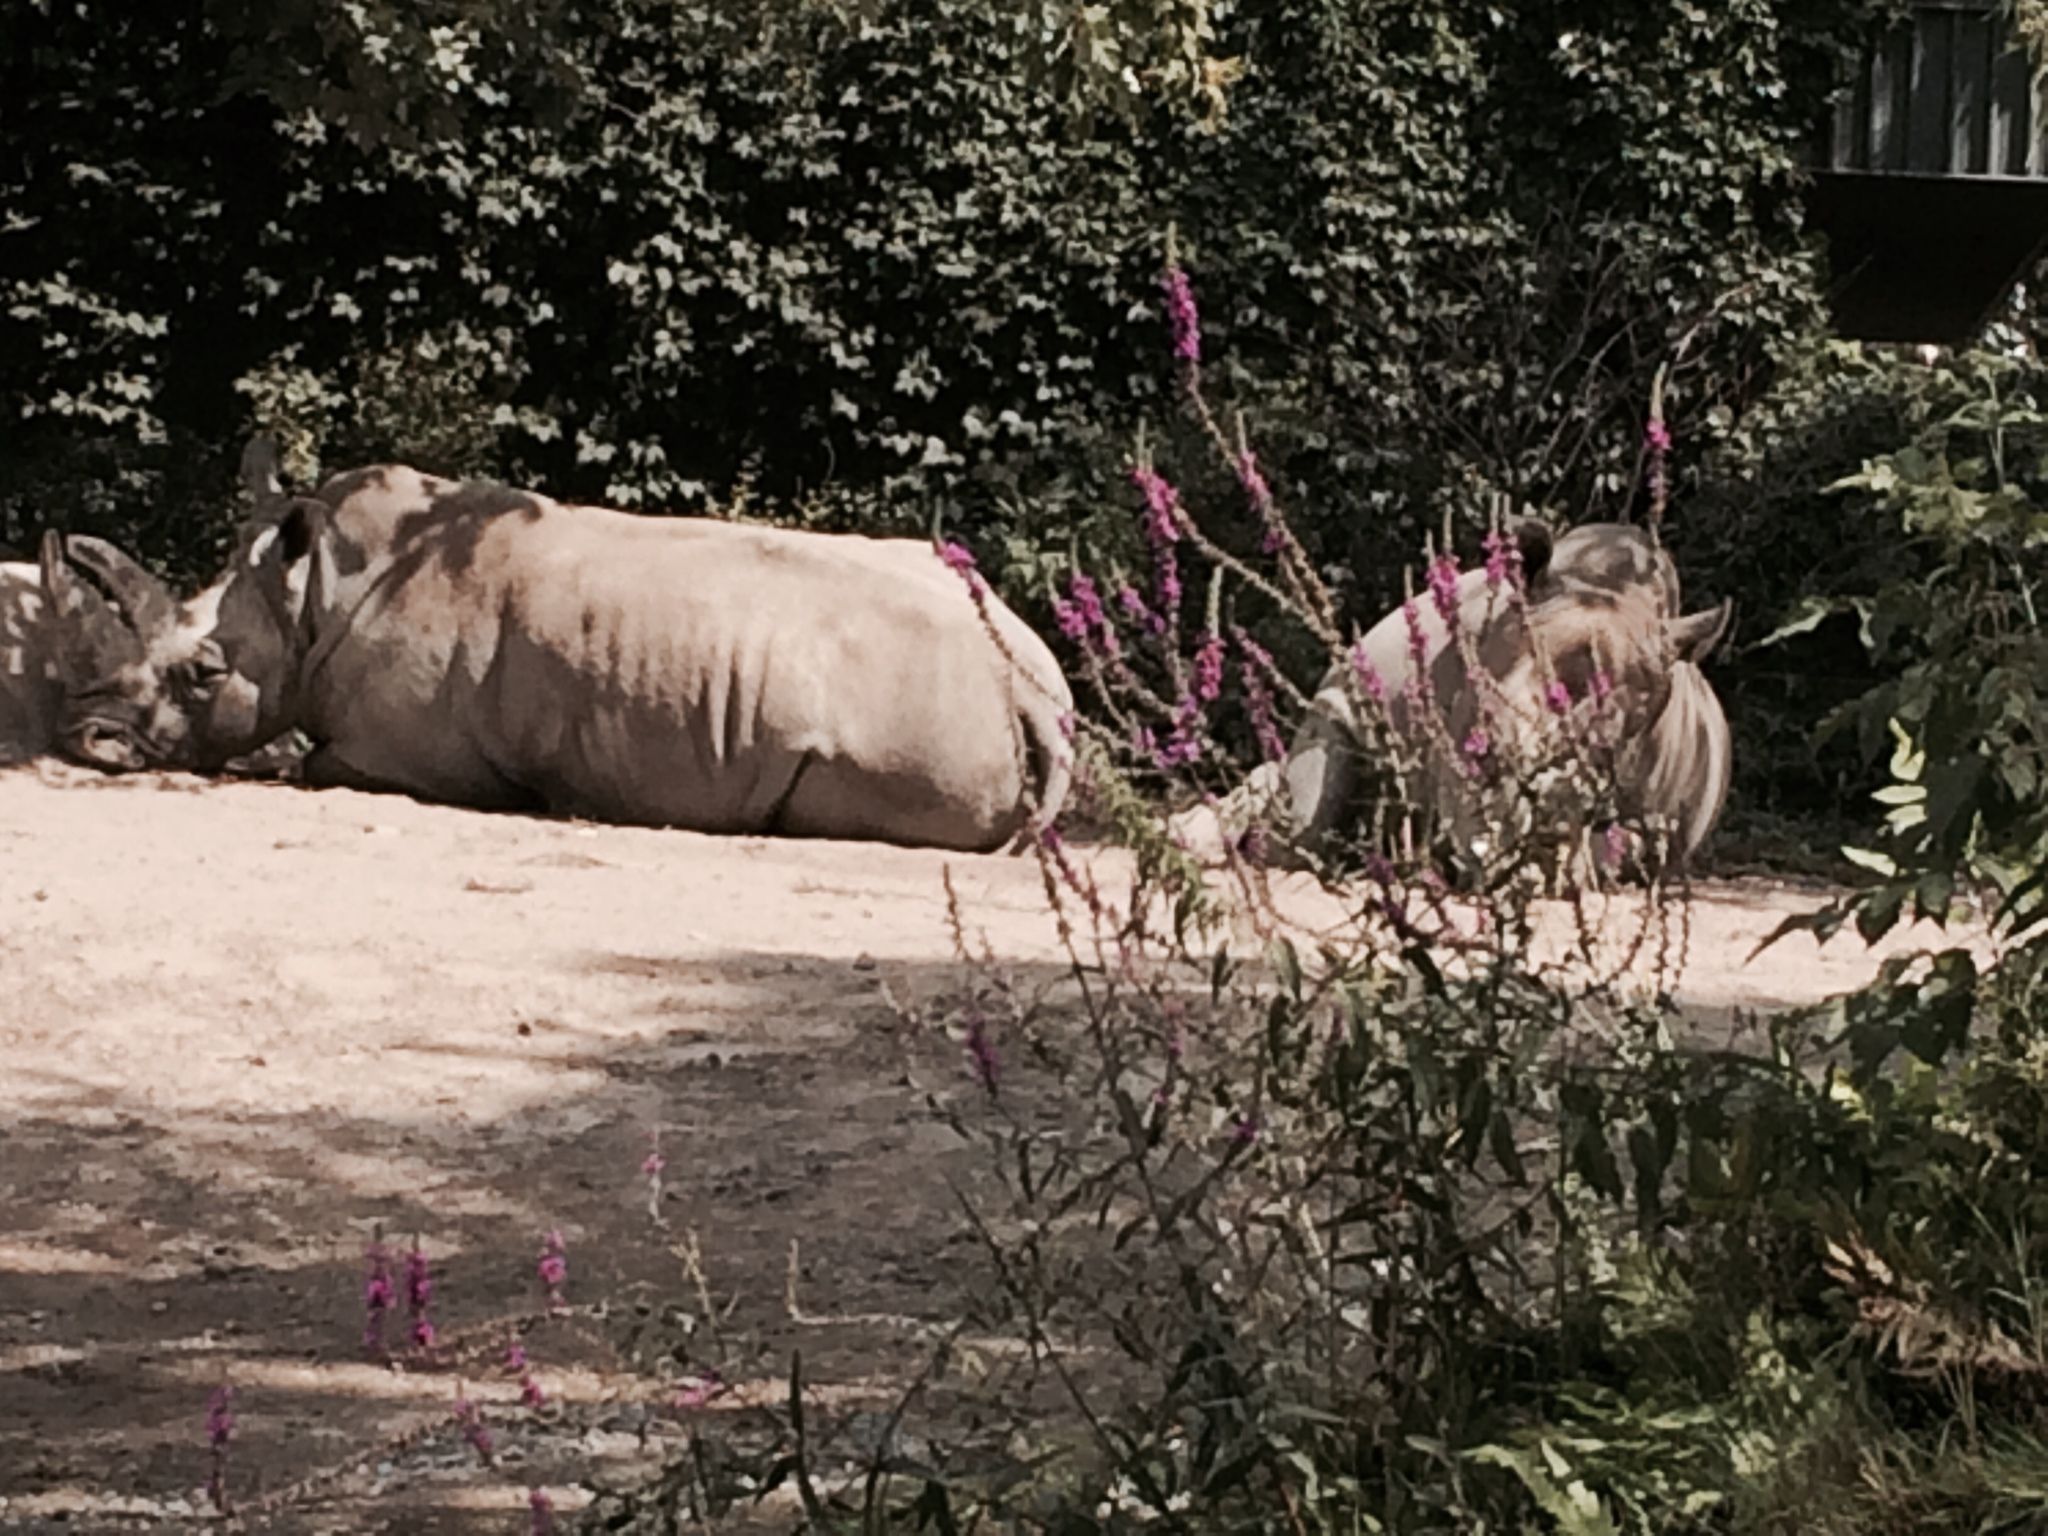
[200, 675]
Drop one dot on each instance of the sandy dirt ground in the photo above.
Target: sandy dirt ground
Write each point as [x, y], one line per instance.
[244, 1024]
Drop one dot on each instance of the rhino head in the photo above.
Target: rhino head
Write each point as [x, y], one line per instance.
[246, 638]
[111, 627]
[148, 682]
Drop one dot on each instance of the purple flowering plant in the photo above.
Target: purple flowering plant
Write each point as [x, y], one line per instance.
[1288, 1090]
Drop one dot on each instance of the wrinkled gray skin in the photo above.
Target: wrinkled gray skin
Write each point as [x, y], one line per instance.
[492, 648]
[89, 612]
[1602, 595]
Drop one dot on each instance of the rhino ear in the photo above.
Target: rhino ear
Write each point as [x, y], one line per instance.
[1535, 541]
[263, 470]
[290, 538]
[1694, 636]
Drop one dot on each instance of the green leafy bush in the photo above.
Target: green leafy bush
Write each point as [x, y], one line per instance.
[859, 258]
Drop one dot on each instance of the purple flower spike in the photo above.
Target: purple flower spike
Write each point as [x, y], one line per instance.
[543, 1509]
[530, 1392]
[553, 1269]
[1260, 494]
[960, 559]
[419, 1291]
[474, 1430]
[220, 1429]
[1418, 638]
[1181, 312]
[1559, 698]
[1613, 845]
[1443, 586]
[1209, 669]
[379, 1297]
[1244, 1129]
[981, 1052]
[1368, 675]
[1477, 745]
[1503, 560]
[1162, 506]
[1658, 436]
[419, 1279]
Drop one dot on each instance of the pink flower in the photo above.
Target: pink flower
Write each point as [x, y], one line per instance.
[530, 1392]
[1244, 1129]
[1477, 745]
[1209, 668]
[553, 1268]
[474, 1430]
[1162, 532]
[960, 559]
[1367, 674]
[981, 1052]
[1253, 670]
[1081, 618]
[543, 1509]
[419, 1291]
[1418, 637]
[1613, 845]
[379, 1296]
[1658, 436]
[1180, 311]
[1184, 742]
[1443, 586]
[1260, 494]
[419, 1279]
[1559, 698]
[515, 1356]
[1162, 505]
[696, 1391]
[1601, 687]
[1503, 559]
[220, 1429]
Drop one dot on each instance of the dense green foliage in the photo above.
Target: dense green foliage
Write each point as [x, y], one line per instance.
[643, 251]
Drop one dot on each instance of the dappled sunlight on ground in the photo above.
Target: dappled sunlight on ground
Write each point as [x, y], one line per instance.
[247, 1024]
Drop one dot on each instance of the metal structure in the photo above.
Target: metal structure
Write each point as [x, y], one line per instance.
[1931, 177]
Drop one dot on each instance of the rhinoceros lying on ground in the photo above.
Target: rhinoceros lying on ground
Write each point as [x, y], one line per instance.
[489, 647]
[84, 634]
[1602, 598]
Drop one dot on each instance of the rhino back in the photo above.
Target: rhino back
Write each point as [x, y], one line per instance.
[677, 671]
